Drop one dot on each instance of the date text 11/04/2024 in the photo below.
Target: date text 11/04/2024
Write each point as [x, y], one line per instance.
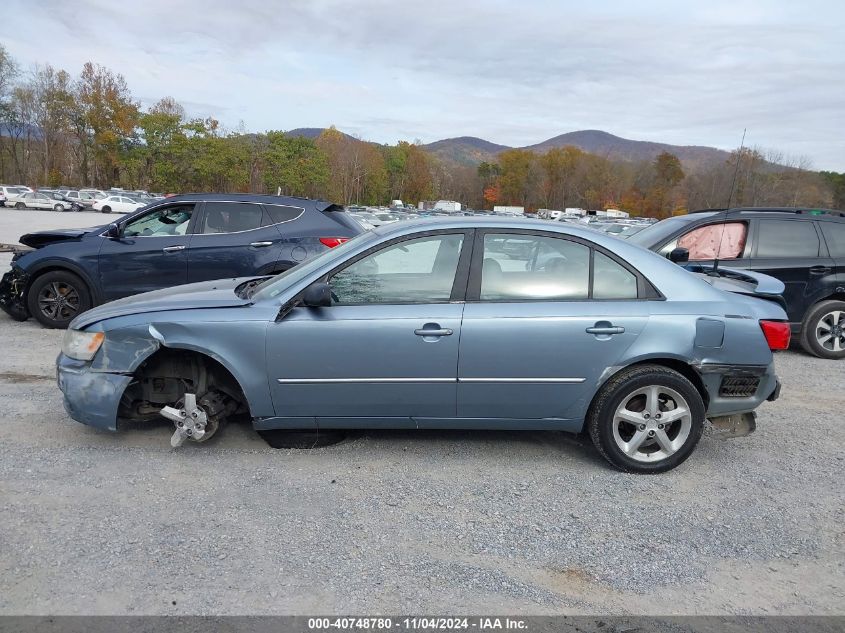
[417, 623]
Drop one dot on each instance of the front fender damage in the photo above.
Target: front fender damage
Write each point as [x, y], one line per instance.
[12, 299]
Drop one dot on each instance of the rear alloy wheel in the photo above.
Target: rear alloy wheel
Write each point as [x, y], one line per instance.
[59, 207]
[647, 419]
[823, 330]
[56, 298]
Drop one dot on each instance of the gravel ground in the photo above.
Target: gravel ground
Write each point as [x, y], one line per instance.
[409, 522]
[398, 522]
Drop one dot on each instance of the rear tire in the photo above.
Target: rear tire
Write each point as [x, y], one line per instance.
[823, 330]
[647, 419]
[20, 205]
[278, 438]
[59, 207]
[56, 298]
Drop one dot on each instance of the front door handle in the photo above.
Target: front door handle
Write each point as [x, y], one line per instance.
[432, 329]
[260, 244]
[605, 329]
[819, 270]
[173, 249]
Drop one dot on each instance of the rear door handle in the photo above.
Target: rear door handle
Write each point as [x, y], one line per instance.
[433, 332]
[607, 329]
[820, 270]
[173, 249]
[261, 244]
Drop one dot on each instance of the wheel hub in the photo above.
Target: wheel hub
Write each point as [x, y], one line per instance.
[190, 420]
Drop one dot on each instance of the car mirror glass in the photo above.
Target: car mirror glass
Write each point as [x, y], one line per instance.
[113, 231]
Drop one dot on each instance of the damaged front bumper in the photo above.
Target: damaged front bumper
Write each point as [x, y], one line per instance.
[90, 397]
[12, 287]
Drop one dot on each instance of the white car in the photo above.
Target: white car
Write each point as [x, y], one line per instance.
[8, 195]
[38, 200]
[119, 204]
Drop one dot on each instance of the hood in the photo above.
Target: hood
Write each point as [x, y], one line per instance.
[43, 238]
[205, 294]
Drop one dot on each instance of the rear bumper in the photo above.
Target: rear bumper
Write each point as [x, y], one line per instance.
[734, 389]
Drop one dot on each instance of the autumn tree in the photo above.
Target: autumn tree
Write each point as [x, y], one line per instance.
[108, 116]
[518, 175]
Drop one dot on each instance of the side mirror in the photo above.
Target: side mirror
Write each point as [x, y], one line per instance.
[113, 231]
[679, 255]
[317, 295]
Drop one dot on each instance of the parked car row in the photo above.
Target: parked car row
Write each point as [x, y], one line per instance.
[63, 199]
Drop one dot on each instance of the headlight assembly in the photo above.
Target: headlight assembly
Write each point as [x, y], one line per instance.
[81, 345]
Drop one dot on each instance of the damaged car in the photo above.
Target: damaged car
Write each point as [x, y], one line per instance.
[182, 239]
[458, 323]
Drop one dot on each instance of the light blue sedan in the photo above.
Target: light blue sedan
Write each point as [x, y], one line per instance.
[459, 323]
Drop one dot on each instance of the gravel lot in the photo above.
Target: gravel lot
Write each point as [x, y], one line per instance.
[399, 522]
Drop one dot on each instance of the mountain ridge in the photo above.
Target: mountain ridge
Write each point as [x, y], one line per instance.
[472, 150]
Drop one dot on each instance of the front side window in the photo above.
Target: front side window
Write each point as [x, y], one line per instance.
[727, 239]
[161, 222]
[787, 238]
[414, 271]
[531, 268]
[231, 217]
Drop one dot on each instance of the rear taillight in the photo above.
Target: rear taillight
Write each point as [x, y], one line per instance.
[777, 334]
[331, 242]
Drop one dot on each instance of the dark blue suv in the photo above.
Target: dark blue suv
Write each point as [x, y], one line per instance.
[183, 239]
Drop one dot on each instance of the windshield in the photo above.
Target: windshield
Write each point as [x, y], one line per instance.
[279, 283]
[656, 233]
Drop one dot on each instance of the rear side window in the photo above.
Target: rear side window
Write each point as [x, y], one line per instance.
[280, 214]
[611, 280]
[519, 267]
[778, 239]
[231, 217]
[834, 235]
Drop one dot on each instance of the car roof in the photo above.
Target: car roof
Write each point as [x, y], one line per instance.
[295, 201]
[816, 213]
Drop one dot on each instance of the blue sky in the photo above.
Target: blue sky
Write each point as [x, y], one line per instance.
[514, 73]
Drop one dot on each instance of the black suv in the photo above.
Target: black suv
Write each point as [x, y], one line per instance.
[804, 248]
[179, 240]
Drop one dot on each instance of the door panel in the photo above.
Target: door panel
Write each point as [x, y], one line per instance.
[537, 360]
[386, 351]
[364, 365]
[789, 250]
[151, 254]
[230, 242]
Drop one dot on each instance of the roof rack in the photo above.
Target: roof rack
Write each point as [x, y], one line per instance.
[794, 210]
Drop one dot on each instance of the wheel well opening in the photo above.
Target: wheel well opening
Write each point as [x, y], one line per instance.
[167, 375]
[671, 363]
[55, 269]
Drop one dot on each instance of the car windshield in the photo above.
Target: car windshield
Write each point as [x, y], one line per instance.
[656, 233]
[277, 284]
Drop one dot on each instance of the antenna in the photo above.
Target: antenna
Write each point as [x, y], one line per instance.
[715, 271]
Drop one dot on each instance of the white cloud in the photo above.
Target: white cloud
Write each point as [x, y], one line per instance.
[512, 72]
